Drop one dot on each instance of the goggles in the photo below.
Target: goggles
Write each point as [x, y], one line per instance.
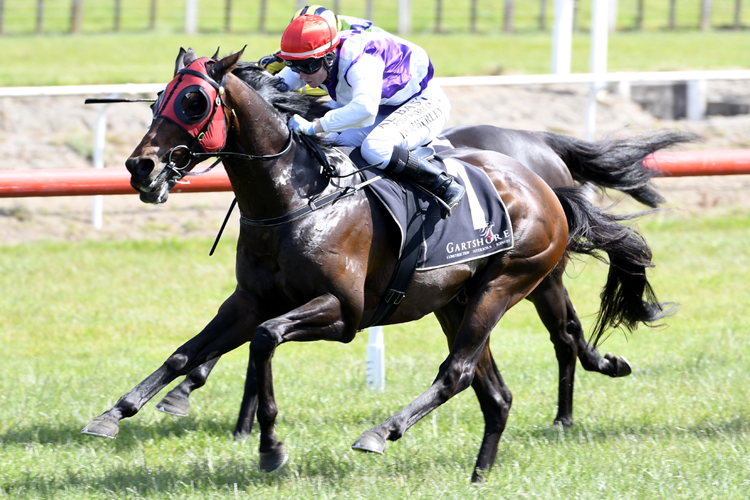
[307, 66]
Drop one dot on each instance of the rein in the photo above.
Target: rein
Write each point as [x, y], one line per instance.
[192, 155]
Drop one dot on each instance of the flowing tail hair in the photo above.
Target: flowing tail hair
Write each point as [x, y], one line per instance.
[616, 163]
[627, 298]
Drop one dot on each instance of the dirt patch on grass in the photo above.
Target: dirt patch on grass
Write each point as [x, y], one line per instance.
[57, 132]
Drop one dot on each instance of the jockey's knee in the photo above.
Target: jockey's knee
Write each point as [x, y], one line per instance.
[377, 151]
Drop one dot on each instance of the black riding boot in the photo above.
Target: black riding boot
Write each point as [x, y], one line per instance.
[421, 172]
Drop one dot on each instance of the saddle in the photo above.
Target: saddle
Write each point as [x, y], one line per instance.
[478, 228]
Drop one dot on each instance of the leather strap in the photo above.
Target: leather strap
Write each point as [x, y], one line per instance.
[405, 266]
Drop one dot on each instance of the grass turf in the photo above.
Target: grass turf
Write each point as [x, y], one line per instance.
[81, 323]
[149, 58]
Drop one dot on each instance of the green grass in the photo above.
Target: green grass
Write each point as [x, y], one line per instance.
[81, 323]
[21, 15]
[149, 58]
[139, 55]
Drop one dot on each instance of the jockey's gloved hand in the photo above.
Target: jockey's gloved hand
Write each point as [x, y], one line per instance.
[299, 125]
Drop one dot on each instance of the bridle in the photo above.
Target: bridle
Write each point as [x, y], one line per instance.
[181, 172]
[195, 78]
[200, 128]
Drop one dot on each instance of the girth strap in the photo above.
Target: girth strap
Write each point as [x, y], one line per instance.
[405, 266]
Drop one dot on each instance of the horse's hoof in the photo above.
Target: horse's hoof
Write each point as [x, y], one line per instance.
[273, 460]
[102, 427]
[622, 367]
[370, 441]
[174, 405]
[565, 422]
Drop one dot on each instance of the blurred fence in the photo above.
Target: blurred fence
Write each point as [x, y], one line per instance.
[19, 17]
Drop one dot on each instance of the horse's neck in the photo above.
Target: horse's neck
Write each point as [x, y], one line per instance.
[263, 187]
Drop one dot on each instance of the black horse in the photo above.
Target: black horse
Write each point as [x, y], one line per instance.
[321, 276]
[614, 163]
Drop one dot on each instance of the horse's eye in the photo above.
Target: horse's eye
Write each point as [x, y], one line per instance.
[194, 105]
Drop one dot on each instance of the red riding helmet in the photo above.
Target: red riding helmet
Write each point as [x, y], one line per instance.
[306, 37]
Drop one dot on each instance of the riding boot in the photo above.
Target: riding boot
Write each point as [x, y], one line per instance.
[423, 173]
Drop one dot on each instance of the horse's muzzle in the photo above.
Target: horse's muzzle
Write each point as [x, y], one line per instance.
[153, 186]
[156, 197]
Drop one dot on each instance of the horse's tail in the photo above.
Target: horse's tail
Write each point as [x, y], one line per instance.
[627, 298]
[616, 163]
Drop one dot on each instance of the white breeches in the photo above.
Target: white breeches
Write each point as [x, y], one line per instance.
[414, 124]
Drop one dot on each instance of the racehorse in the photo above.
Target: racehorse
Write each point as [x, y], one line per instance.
[613, 163]
[319, 274]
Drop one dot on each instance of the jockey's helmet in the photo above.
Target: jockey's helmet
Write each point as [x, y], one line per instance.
[308, 43]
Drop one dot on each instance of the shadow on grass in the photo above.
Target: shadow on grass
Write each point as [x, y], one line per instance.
[322, 468]
[127, 480]
[705, 429]
[131, 431]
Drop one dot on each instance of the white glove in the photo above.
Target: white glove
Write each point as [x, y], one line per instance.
[301, 126]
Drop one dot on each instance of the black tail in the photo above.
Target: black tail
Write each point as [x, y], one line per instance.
[616, 163]
[627, 298]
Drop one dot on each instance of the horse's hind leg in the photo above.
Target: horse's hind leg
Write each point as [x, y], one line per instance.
[177, 401]
[460, 369]
[566, 333]
[591, 360]
[493, 395]
[230, 328]
[551, 303]
[249, 405]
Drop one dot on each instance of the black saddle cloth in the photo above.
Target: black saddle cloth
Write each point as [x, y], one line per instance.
[478, 227]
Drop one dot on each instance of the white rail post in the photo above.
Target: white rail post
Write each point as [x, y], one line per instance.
[598, 59]
[100, 139]
[696, 99]
[562, 37]
[404, 17]
[375, 375]
[191, 17]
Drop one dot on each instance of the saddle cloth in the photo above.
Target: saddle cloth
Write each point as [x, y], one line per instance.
[478, 227]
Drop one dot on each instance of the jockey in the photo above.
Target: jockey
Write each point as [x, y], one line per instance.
[382, 97]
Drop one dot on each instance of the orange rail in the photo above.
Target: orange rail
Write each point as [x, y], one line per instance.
[85, 181]
[81, 182]
[699, 163]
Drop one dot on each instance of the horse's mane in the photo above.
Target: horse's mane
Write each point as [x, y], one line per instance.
[276, 92]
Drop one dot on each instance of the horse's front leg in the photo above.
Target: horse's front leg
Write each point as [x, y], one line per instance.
[319, 319]
[230, 328]
[177, 401]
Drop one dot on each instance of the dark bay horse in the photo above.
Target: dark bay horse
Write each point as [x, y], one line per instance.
[614, 163]
[321, 275]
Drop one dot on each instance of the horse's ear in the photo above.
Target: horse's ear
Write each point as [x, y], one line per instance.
[216, 54]
[179, 63]
[227, 64]
[190, 56]
[184, 58]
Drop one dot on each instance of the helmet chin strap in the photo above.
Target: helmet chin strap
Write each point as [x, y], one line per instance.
[328, 64]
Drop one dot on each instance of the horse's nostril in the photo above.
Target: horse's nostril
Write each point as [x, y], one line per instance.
[140, 166]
